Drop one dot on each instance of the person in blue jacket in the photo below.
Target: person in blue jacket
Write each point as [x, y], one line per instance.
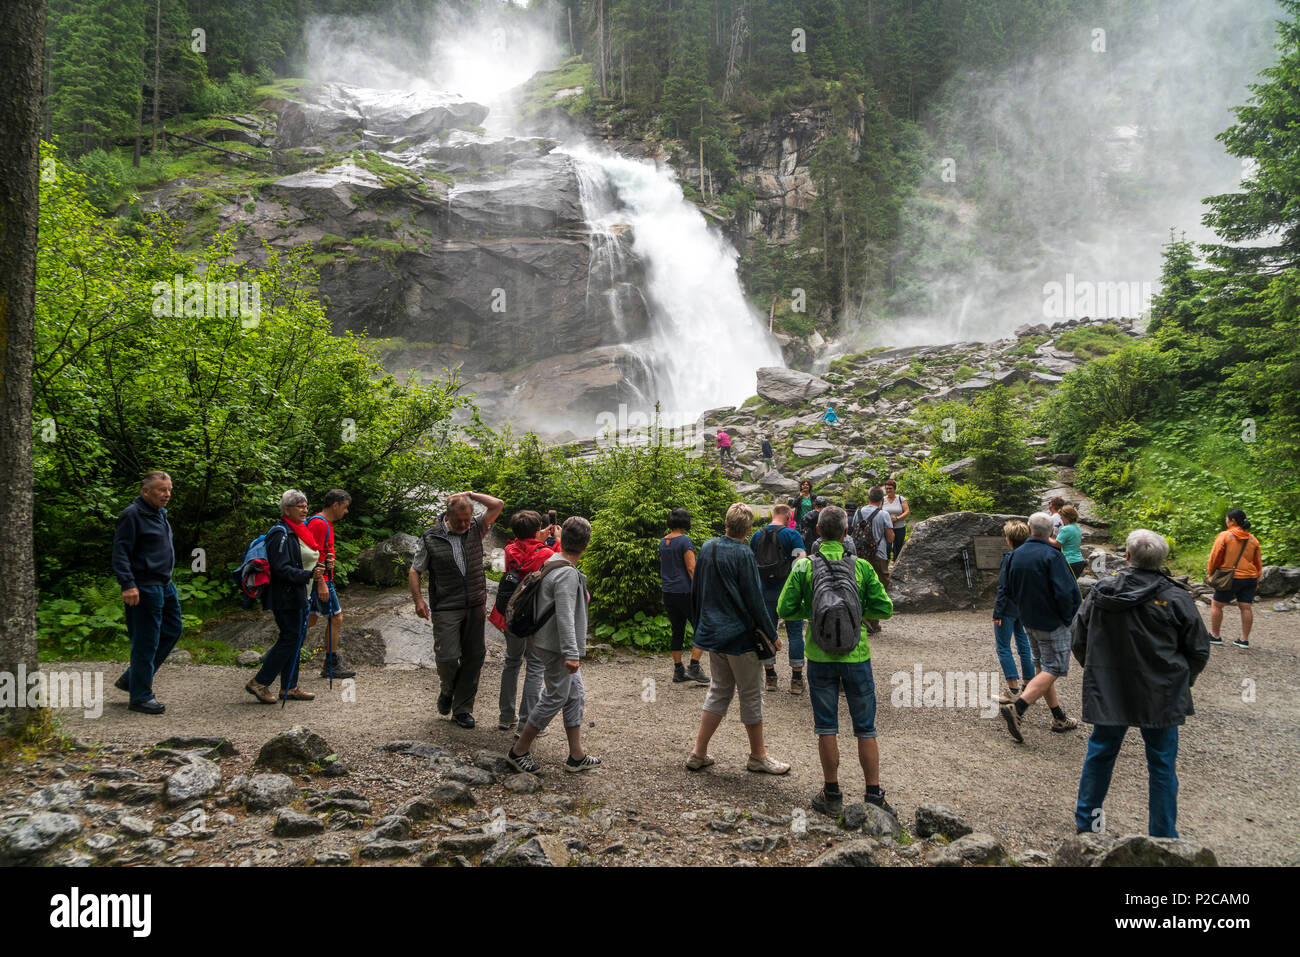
[1007, 624]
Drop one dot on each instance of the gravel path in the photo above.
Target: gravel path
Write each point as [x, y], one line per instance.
[1239, 766]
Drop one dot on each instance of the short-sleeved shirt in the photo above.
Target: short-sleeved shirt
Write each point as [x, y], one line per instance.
[676, 580]
[1071, 538]
[791, 542]
[1057, 522]
[880, 523]
[895, 509]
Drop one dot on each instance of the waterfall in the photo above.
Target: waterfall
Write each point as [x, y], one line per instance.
[705, 340]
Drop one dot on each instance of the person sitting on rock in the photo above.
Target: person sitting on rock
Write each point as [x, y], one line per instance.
[1141, 642]
[829, 671]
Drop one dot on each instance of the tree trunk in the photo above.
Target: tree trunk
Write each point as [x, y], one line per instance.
[22, 45]
[157, 40]
[601, 52]
[572, 49]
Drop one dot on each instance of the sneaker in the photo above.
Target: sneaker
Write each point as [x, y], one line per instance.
[1061, 726]
[1008, 696]
[261, 692]
[771, 681]
[1008, 712]
[796, 685]
[1215, 640]
[297, 694]
[464, 719]
[696, 673]
[879, 801]
[444, 703]
[1242, 644]
[339, 670]
[505, 724]
[830, 806]
[765, 765]
[121, 684]
[697, 763]
[152, 706]
[523, 763]
[585, 763]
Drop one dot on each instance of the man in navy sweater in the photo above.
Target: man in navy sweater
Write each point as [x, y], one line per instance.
[1041, 585]
[142, 561]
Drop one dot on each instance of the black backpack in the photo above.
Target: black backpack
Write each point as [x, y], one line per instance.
[523, 619]
[864, 535]
[773, 561]
[836, 621]
[808, 528]
[505, 588]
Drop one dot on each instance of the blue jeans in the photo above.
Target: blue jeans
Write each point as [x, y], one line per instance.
[282, 657]
[1162, 786]
[154, 626]
[793, 629]
[1002, 635]
[824, 680]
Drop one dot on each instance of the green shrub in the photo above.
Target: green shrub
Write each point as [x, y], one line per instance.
[1104, 470]
[1133, 382]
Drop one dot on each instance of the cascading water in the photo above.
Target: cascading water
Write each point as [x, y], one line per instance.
[705, 340]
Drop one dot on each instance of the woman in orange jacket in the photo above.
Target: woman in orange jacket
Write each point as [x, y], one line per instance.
[1235, 548]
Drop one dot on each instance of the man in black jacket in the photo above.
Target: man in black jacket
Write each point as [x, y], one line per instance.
[143, 557]
[1142, 643]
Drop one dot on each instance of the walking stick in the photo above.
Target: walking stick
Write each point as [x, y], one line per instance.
[970, 579]
[329, 643]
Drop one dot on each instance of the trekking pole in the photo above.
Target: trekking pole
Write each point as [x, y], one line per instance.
[329, 642]
[293, 675]
[970, 580]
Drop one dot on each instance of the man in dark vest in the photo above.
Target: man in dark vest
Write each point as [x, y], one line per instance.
[452, 553]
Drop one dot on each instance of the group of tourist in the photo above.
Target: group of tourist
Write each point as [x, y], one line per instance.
[1138, 635]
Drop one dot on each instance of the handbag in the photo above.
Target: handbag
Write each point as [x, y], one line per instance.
[1221, 578]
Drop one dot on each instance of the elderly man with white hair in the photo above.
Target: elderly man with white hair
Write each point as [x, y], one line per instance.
[1042, 586]
[1141, 643]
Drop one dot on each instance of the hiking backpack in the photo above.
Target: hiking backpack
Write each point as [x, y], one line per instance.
[254, 571]
[505, 588]
[773, 562]
[864, 535]
[522, 617]
[836, 609]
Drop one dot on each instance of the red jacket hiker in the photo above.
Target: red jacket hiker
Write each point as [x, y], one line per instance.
[525, 556]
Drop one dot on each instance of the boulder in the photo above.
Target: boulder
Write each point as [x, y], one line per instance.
[298, 745]
[1134, 850]
[1105, 564]
[266, 792]
[823, 473]
[849, 854]
[940, 819]
[38, 834]
[789, 386]
[1278, 580]
[871, 820]
[958, 469]
[929, 574]
[386, 563]
[774, 483]
[811, 448]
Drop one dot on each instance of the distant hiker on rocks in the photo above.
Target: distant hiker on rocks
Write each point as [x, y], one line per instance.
[1007, 623]
[1141, 642]
[776, 546]
[830, 417]
[452, 553]
[1070, 537]
[899, 511]
[724, 447]
[143, 557]
[730, 612]
[524, 555]
[873, 535]
[560, 643]
[293, 557]
[1041, 586]
[322, 525]
[838, 594]
[676, 572]
[769, 460]
[1237, 549]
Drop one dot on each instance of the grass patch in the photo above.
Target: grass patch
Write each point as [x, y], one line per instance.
[542, 90]
[1093, 342]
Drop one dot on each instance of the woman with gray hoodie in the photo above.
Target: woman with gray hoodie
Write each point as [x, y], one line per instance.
[560, 643]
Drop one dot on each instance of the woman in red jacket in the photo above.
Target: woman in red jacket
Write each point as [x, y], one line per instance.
[1237, 549]
[527, 553]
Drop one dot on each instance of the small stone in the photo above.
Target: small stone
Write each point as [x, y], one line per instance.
[420, 749]
[541, 851]
[135, 826]
[384, 850]
[180, 657]
[177, 830]
[493, 761]
[394, 827]
[521, 783]
[968, 849]
[290, 823]
[196, 780]
[56, 797]
[181, 856]
[298, 745]
[452, 793]
[871, 820]
[472, 776]
[1032, 858]
[39, 833]
[248, 659]
[940, 819]
[102, 845]
[333, 858]
[153, 847]
[618, 847]
[860, 853]
[351, 805]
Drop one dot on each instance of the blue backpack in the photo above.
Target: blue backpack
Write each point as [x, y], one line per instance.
[254, 572]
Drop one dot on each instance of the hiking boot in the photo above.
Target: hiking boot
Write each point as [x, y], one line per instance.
[830, 806]
[444, 704]
[771, 681]
[152, 706]
[1008, 712]
[297, 694]
[879, 801]
[1214, 640]
[695, 673]
[765, 765]
[1242, 644]
[121, 684]
[523, 763]
[679, 673]
[261, 692]
[796, 684]
[1060, 726]
[697, 763]
[339, 670]
[464, 719]
[1008, 695]
[585, 763]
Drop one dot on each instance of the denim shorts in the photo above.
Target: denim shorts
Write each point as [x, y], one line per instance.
[1051, 649]
[824, 680]
[319, 607]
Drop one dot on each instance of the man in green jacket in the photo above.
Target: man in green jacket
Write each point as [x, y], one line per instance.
[827, 672]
